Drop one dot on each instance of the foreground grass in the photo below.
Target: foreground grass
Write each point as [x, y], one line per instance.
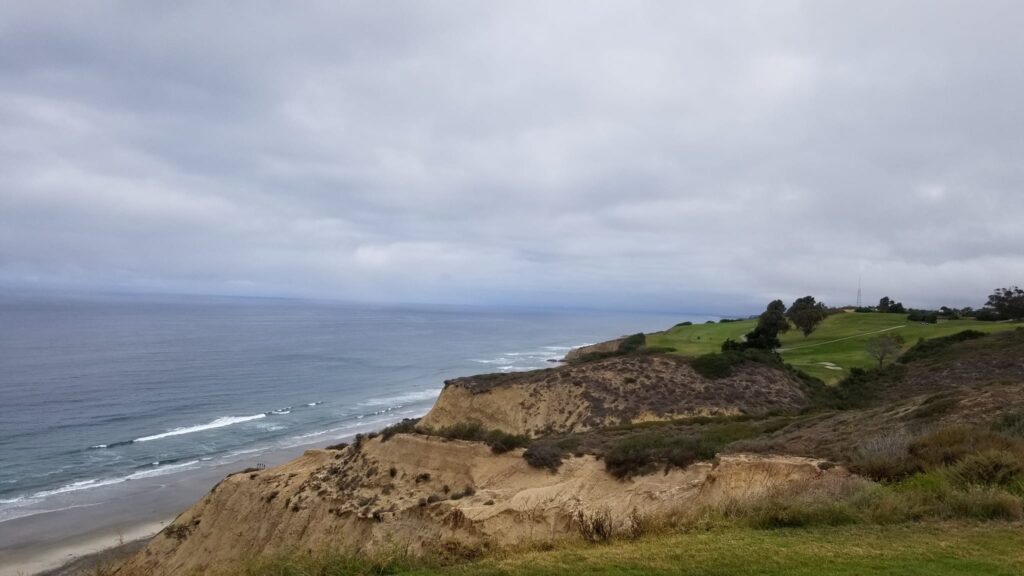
[839, 339]
[913, 549]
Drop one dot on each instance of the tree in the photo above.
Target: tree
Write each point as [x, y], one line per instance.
[884, 347]
[806, 314]
[888, 305]
[770, 324]
[1007, 303]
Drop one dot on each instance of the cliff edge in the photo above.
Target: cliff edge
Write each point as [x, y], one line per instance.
[611, 391]
[415, 493]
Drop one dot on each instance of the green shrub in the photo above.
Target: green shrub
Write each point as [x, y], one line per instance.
[499, 441]
[862, 387]
[882, 505]
[406, 426]
[569, 443]
[715, 365]
[1011, 424]
[936, 405]
[632, 343]
[933, 347]
[463, 431]
[543, 455]
[950, 444]
[989, 468]
[328, 563]
[733, 354]
[179, 532]
[778, 513]
[985, 504]
[927, 485]
[639, 453]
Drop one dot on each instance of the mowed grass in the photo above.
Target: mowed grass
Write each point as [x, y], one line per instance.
[906, 550]
[838, 340]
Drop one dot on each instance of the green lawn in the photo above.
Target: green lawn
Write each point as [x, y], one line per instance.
[916, 549]
[851, 330]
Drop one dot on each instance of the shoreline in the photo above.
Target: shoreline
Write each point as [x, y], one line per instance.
[95, 561]
[87, 552]
[53, 543]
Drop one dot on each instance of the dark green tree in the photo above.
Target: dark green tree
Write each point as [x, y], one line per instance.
[888, 305]
[806, 314]
[1007, 303]
[770, 324]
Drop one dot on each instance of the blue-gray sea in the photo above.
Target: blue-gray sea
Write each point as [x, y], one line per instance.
[102, 390]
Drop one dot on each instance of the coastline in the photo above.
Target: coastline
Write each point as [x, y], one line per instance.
[61, 542]
[86, 552]
[95, 561]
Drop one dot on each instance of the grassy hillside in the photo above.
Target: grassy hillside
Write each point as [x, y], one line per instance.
[831, 350]
[928, 549]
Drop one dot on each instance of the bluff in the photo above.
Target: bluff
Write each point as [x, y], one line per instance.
[415, 493]
[611, 391]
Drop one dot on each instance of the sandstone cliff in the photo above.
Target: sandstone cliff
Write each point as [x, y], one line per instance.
[414, 492]
[612, 391]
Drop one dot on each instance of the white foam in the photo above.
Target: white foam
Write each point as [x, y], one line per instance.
[218, 423]
[160, 471]
[243, 452]
[400, 399]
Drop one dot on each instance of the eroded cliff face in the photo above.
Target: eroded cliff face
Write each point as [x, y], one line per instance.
[414, 492]
[607, 392]
[578, 354]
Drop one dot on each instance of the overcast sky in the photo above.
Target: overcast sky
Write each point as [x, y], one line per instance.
[701, 157]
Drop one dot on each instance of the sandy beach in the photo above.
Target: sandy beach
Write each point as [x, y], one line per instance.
[112, 521]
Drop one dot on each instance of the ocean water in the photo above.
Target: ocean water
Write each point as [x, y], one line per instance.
[97, 391]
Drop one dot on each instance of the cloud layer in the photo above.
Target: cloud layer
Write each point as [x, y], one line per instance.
[591, 153]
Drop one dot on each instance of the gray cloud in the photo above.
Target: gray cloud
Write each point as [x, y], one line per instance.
[627, 154]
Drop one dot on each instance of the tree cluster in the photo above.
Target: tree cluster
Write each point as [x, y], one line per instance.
[926, 316]
[1005, 304]
[888, 305]
[806, 314]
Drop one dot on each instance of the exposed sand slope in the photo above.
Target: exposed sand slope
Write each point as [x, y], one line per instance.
[611, 391]
[352, 499]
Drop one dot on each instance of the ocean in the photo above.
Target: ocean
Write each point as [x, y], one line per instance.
[99, 391]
